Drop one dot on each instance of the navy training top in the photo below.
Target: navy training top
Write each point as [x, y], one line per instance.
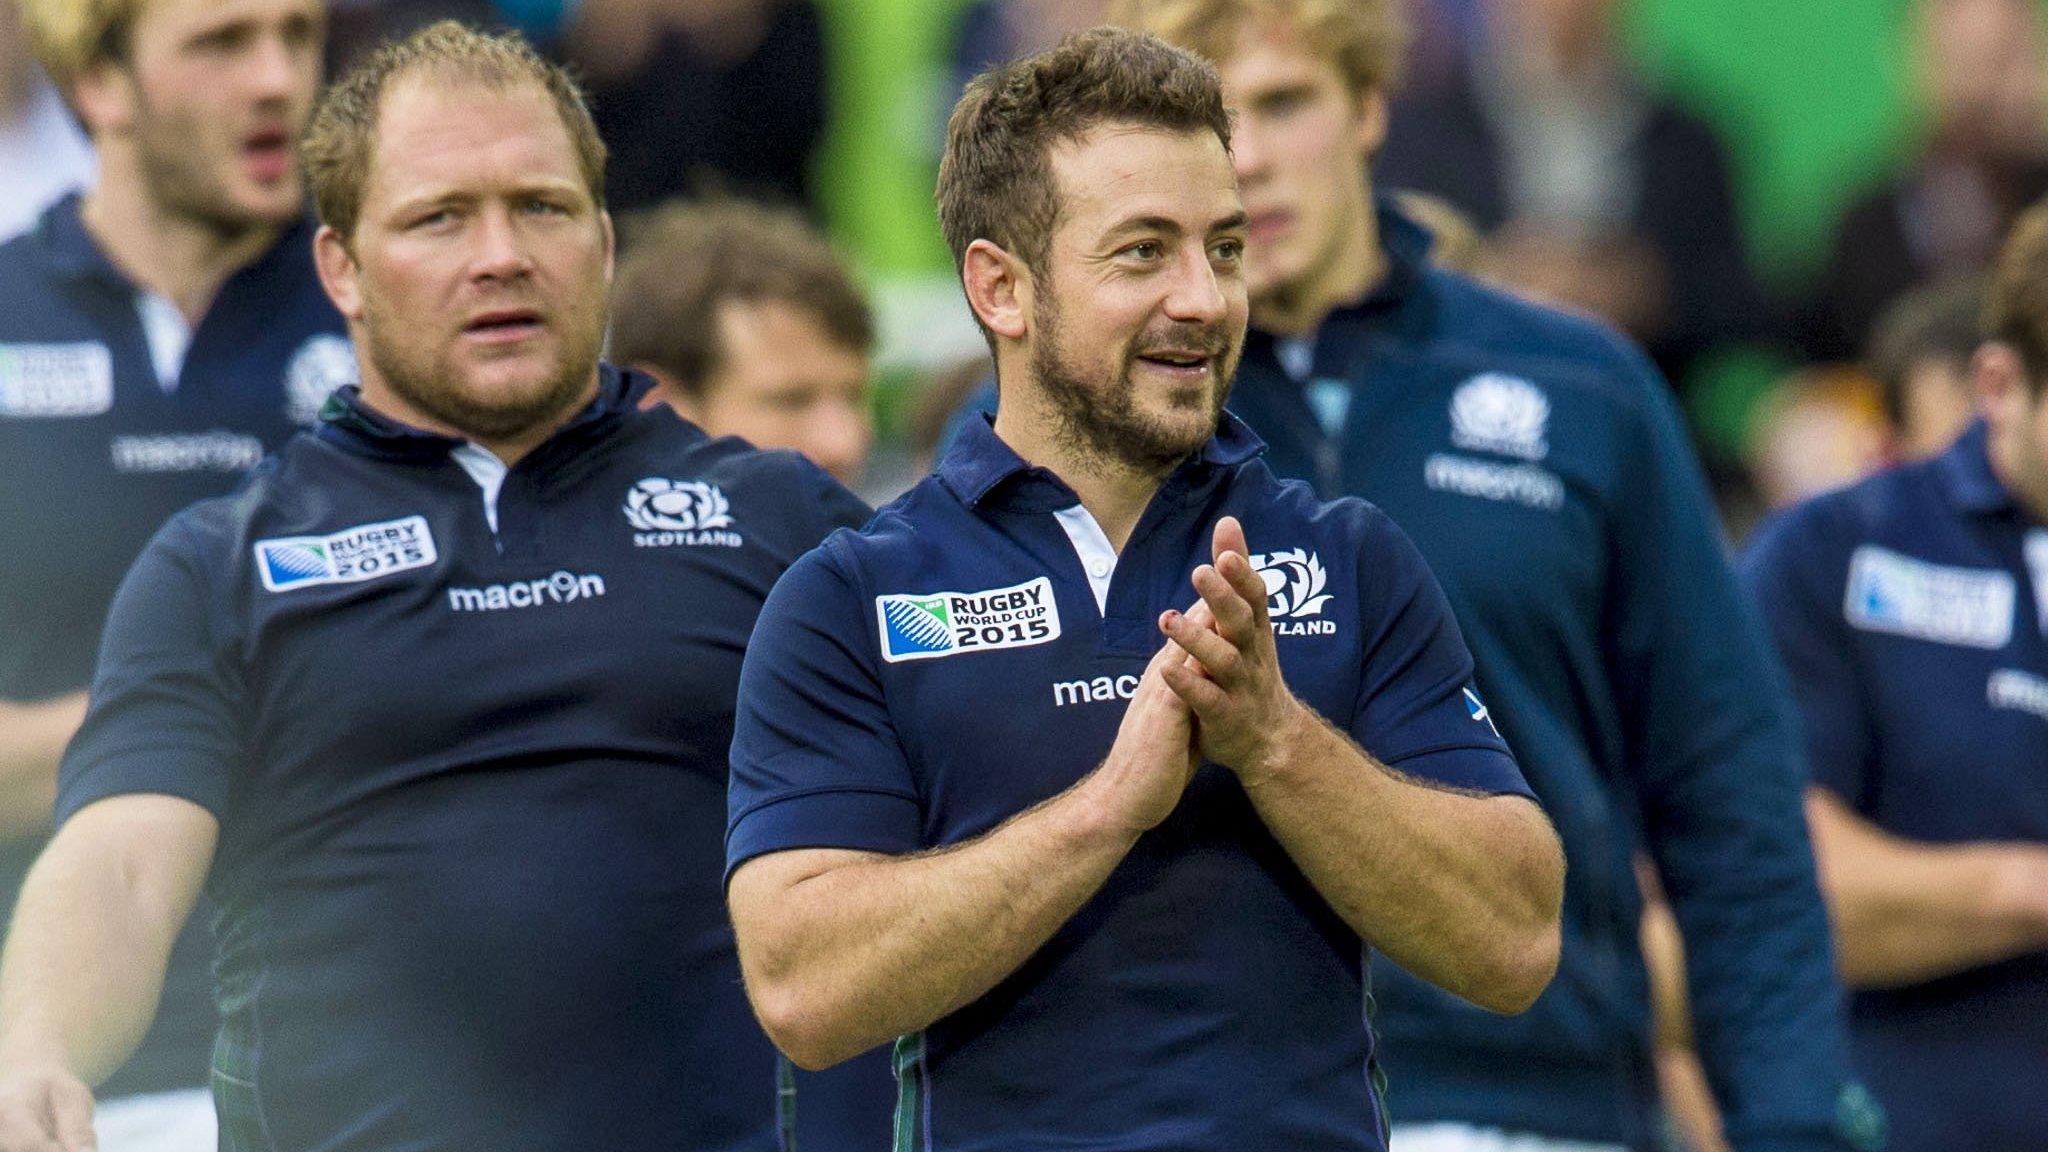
[104, 433]
[1912, 612]
[468, 757]
[1536, 460]
[968, 655]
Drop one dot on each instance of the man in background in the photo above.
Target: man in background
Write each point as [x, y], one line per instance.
[1920, 664]
[158, 334]
[1538, 463]
[751, 326]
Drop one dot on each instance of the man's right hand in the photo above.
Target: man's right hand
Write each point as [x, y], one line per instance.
[1154, 757]
[44, 1109]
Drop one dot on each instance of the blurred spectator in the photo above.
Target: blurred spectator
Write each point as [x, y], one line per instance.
[42, 153]
[1821, 428]
[994, 32]
[1920, 358]
[1981, 74]
[1593, 189]
[158, 334]
[1920, 662]
[357, 26]
[703, 95]
[751, 326]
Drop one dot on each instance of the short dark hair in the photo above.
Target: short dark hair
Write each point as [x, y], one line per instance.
[1941, 321]
[2016, 304]
[996, 181]
[340, 142]
[685, 258]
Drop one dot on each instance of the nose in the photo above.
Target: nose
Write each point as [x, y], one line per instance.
[1197, 294]
[274, 70]
[1247, 151]
[500, 249]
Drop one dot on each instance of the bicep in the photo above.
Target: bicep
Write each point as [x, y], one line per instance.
[162, 847]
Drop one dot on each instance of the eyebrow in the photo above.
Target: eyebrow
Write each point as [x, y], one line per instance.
[1163, 224]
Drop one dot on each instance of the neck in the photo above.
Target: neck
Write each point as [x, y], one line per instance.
[508, 447]
[2006, 466]
[179, 257]
[1354, 267]
[1114, 492]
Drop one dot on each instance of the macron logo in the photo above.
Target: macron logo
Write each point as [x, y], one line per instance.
[561, 588]
[1097, 691]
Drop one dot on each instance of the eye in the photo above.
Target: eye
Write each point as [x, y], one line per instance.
[1146, 250]
[541, 206]
[1228, 251]
[433, 219]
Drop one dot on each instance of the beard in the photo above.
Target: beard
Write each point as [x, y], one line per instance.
[1101, 419]
[425, 379]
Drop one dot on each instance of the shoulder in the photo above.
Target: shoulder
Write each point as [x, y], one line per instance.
[1283, 515]
[25, 276]
[1822, 530]
[1481, 318]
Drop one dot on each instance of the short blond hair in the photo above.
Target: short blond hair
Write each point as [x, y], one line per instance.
[341, 140]
[1366, 39]
[72, 37]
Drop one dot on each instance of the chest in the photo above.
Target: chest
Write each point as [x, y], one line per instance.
[410, 634]
[1008, 682]
[1954, 661]
[1496, 472]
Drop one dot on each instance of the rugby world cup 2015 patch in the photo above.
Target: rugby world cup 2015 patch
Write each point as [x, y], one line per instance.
[352, 555]
[925, 625]
[1891, 592]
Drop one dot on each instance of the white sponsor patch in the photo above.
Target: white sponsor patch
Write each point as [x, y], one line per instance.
[364, 552]
[56, 379]
[930, 624]
[1495, 412]
[1892, 592]
[2012, 688]
[1490, 480]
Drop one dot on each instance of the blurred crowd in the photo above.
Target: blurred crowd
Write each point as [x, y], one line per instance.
[1549, 160]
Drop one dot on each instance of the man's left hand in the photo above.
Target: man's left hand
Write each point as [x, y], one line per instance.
[1231, 680]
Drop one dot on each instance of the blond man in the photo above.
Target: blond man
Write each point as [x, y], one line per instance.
[436, 707]
[159, 333]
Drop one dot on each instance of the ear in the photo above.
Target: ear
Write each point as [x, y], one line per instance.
[339, 274]
[105, 98]
[1371, 129]
[1999, 378]
[998, 289]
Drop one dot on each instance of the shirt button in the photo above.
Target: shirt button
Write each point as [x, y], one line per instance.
[1099, 569]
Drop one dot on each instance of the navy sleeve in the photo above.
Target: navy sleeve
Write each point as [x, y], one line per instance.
[816, 762]
[1709, 742]
[167, 702]
[1417, 710]
[1797, 582]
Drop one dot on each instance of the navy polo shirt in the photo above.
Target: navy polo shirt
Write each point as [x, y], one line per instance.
[969, 654]
[104, 433]
[466, 739]
[1912, 611]
[1539, 465]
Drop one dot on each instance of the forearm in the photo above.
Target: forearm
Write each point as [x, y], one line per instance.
[878, 946]
[1463, 891]
[1905, 911]
[32, 739]
[84, 964]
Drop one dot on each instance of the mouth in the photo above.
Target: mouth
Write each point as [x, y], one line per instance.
[267, 154]
[503, 325]
[1186, 364]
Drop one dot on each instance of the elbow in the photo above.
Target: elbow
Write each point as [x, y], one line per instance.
[1521, 973]
[802, 1027]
